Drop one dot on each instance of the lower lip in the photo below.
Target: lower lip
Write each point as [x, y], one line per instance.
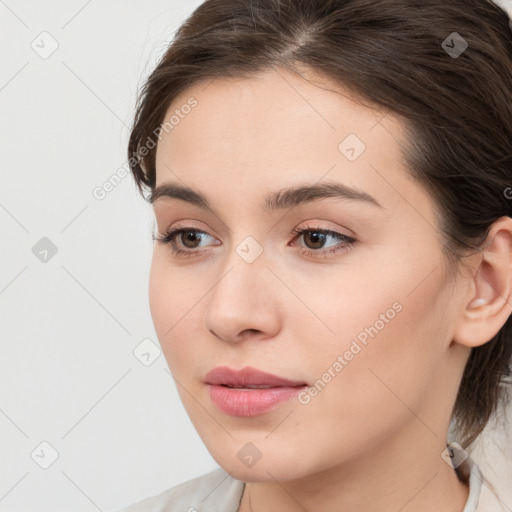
[243, 402]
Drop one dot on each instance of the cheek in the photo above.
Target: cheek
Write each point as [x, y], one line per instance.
[161, 297]
[394, 300]
[389, 341]
[173, 304]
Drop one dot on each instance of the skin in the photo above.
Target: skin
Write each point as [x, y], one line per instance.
[372, 439]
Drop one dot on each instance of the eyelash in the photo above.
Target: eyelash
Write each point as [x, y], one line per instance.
[168, 237]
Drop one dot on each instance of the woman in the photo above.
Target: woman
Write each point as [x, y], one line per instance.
[331, 277]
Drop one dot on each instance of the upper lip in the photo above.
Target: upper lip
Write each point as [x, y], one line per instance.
[247, 376]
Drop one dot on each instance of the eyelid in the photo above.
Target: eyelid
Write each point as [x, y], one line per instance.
[174, 231]
[185, 225]
[347, 241]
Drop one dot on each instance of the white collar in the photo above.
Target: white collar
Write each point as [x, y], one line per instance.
[482, 497]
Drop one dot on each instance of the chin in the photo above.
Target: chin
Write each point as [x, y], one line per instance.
[266, 469]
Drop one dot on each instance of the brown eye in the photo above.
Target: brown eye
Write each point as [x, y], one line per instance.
[314, 239]
[189, 238]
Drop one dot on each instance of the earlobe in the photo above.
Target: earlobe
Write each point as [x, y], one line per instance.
[489, 306]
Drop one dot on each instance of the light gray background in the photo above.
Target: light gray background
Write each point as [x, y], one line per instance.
[70, 324]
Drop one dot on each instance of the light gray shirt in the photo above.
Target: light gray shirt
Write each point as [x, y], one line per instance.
[217, 491]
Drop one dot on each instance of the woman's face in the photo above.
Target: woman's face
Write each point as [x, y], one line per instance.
[363, 315]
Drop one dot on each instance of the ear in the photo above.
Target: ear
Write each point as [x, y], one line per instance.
[488, 302]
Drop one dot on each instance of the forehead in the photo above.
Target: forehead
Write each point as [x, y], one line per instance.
[273, 129]
[270, 110]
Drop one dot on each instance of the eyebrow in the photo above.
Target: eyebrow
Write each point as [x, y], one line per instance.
[279, 200]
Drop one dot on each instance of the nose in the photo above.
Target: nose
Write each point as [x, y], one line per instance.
[243, 303]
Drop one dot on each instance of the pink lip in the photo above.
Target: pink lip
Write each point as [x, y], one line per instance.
[246, 377]
[249, 402]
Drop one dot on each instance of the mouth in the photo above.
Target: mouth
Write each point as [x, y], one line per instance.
[255, 386]
[249, 392]
[248, 378]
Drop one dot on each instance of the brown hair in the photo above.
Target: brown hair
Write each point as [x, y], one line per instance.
[399, 55]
